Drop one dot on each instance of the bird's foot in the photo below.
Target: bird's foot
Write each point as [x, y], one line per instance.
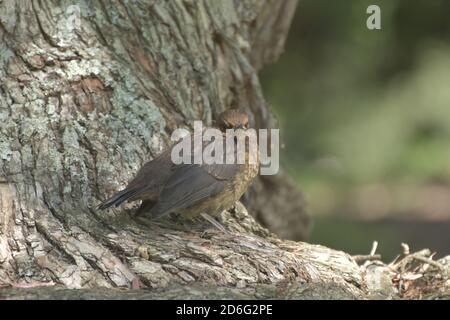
[214, 222]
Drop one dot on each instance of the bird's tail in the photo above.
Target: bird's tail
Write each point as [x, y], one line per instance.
[118, 198]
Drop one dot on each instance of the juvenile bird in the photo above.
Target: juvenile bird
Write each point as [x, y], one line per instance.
[193, 189]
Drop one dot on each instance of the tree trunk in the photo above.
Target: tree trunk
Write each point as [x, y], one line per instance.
[89, 91]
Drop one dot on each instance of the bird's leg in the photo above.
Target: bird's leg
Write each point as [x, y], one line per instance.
[214, 222]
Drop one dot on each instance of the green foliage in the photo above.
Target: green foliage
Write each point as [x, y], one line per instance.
[359, 107]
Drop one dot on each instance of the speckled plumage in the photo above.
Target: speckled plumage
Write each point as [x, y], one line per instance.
[190, 189]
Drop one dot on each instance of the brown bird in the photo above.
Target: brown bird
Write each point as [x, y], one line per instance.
[192, 189]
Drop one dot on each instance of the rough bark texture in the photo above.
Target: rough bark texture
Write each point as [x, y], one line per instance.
[86, 99]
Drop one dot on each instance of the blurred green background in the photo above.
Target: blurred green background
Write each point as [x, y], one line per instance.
[365, 122]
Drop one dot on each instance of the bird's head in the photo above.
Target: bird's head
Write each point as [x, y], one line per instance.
[233, 119]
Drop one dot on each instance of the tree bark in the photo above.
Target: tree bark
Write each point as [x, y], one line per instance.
[89, 91]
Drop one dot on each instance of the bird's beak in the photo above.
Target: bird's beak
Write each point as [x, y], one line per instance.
[240, 126]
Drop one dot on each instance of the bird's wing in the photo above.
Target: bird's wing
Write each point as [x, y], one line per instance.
[118, 198]
[191, 184]
[147, 183]
[153, 172]
[222, 171]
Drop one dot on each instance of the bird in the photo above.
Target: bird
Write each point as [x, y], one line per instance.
[191, 189]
